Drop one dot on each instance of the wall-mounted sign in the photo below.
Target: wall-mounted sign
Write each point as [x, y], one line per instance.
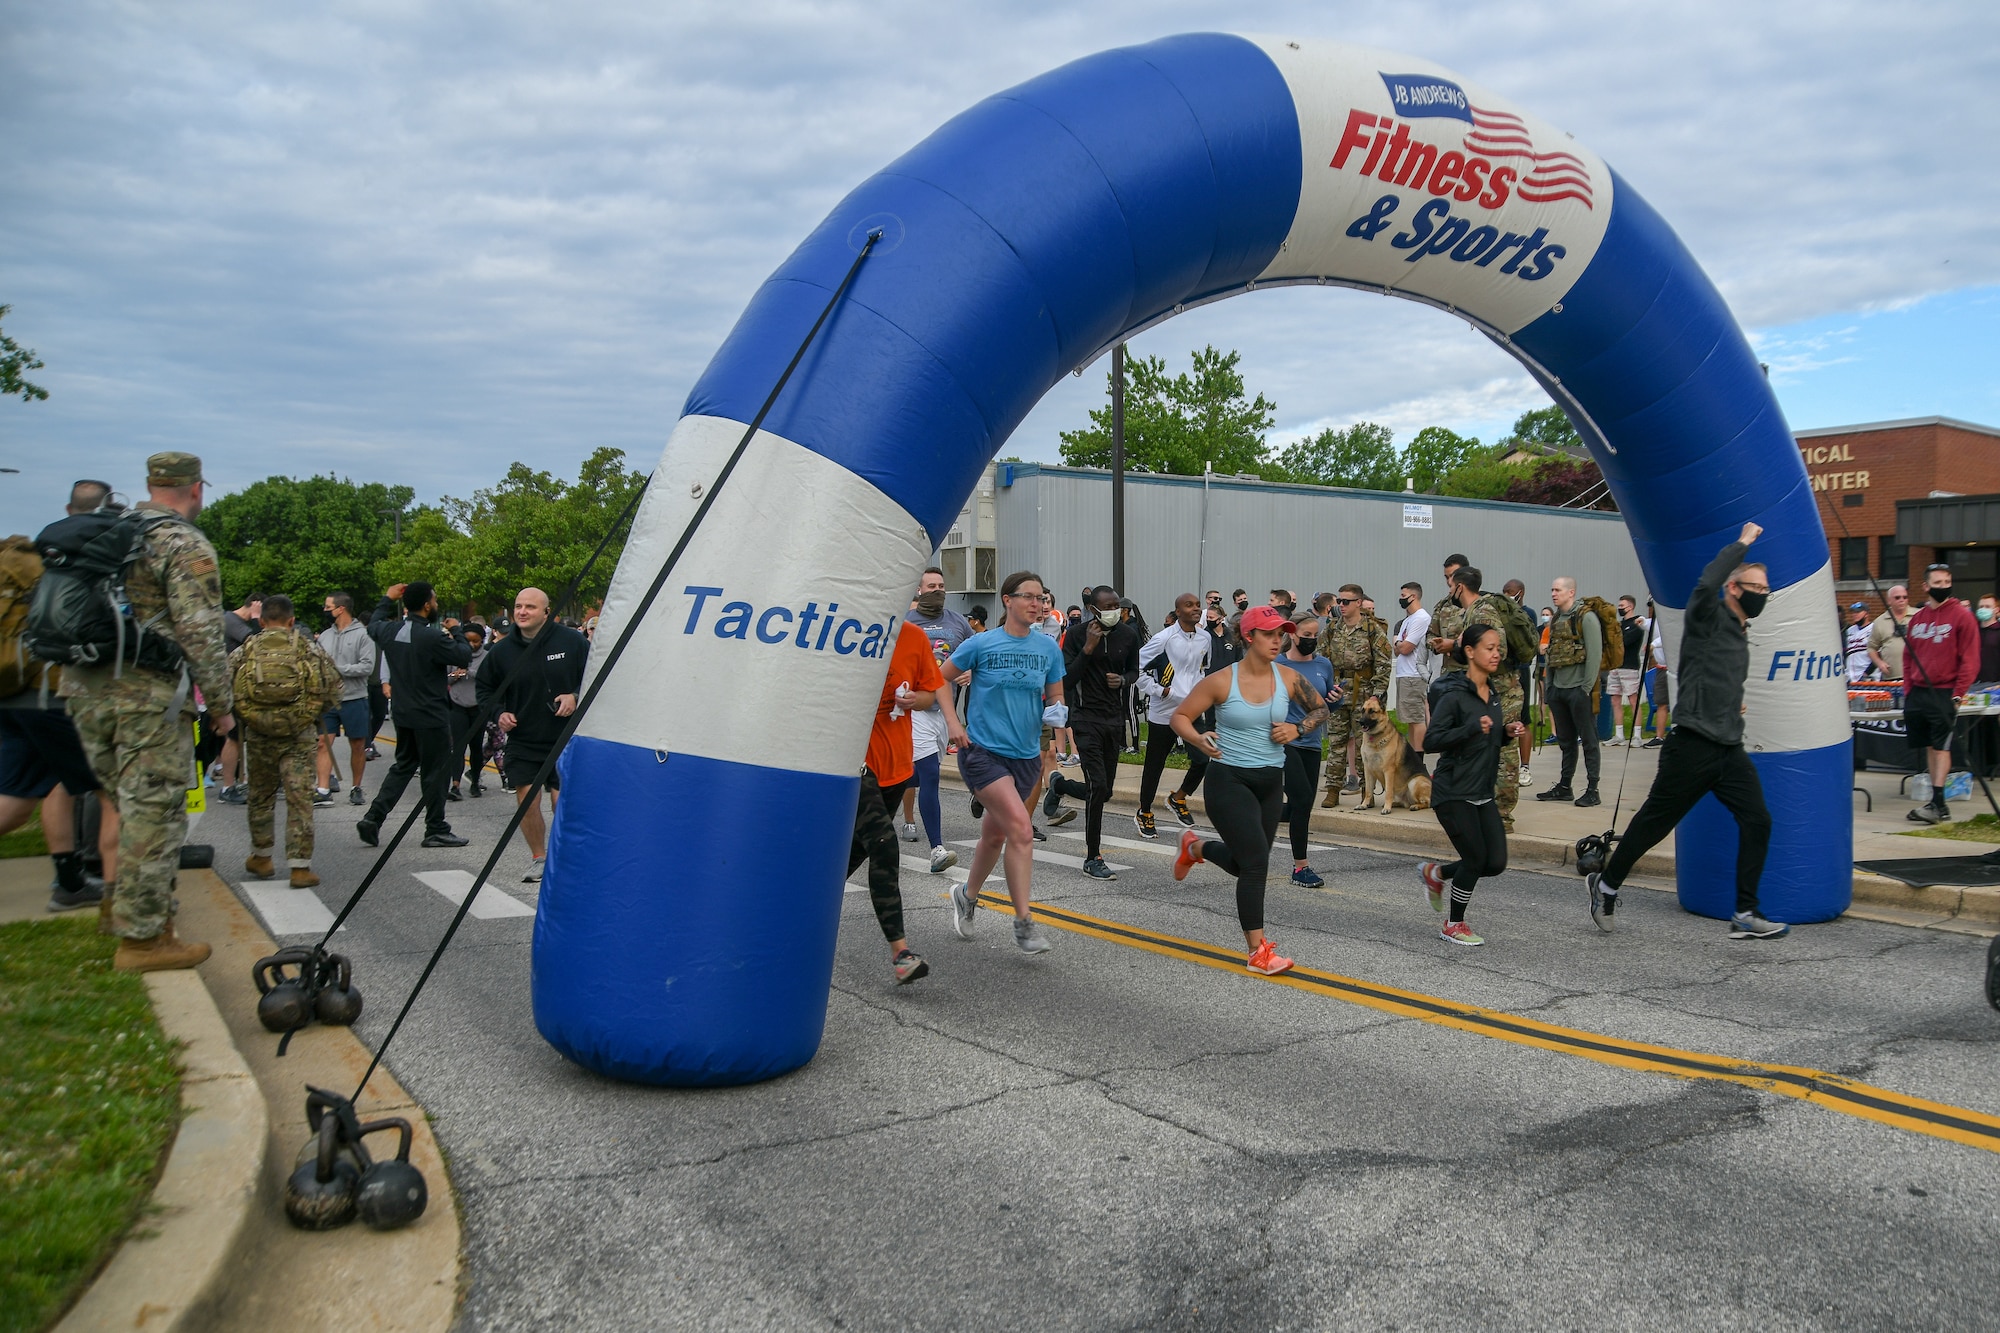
[1417, 516]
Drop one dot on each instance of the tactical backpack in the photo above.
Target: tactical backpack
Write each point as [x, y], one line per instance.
[1566, 646]
[282, 682]
[20, 571]
[79, 614]
[1523, 642]
[1610, 631]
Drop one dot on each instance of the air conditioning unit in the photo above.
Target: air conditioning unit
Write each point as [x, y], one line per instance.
[954, 539]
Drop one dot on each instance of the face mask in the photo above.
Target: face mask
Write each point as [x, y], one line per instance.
[1303, 646]
[1547, 619]
[1404, 602]
[1985, 614]
[1111, 617]
[1939, 594]
[1752, 603]
[930, 603]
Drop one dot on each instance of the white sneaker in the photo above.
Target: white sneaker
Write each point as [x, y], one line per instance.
[534, 875]
[942, 859]
[909, 833]
[1527, 778]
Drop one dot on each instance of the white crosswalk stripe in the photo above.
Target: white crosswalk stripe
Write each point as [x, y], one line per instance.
[1048, 858]
[490, 903]
[288, 911]
[916, 864]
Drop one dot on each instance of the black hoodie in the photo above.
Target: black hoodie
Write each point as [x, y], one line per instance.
[1471, 758]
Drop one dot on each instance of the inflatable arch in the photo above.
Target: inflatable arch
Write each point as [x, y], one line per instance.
[686, 926]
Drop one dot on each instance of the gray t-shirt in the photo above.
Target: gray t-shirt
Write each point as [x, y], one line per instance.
[946, 630]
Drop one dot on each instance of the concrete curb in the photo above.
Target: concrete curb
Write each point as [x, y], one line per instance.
[1975, 907]
[169, 1273]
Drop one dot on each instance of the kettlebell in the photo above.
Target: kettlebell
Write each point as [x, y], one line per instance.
[338, 1003]
[320, 1195]
[286, 1001]
[1593, 853]
[392, 1193]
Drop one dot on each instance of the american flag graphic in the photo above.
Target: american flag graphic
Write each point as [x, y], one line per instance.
[1500, 134]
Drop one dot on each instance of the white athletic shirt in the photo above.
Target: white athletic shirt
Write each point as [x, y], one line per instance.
[1414, 629]
[1187, 652]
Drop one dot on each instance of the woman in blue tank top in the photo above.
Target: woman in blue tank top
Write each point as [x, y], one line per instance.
[1245, 792]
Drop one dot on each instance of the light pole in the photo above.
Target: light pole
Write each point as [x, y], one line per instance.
[396, 514]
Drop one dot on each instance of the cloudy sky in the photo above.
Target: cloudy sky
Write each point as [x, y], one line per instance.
[414, 242]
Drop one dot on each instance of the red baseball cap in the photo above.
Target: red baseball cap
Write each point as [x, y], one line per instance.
[1265, 617]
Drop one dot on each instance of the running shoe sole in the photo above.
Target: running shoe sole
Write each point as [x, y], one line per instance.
[1470, 941]
[1061, 817]
[1776, 932]
[940, 864]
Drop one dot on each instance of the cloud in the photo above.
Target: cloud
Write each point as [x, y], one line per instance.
[416, 242]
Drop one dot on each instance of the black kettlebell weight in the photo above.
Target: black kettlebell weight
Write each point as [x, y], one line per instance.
[1593, 853]
[285, 1000]
[338, 1003]
[320, 1195]
[392, 1193]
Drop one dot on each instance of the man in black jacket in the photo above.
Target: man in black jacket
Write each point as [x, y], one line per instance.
[1100, 658]
[530, 704]
[418, 650]
[1704, 751]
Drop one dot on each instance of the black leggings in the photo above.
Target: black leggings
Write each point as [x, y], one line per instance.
[1693, 766]
[1160, 740]
[875, 842]
[1481, 840]
[1245, 805]
[1098, 742]
[1301, 785]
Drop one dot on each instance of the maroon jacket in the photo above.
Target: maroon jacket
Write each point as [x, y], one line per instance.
[1944, 645]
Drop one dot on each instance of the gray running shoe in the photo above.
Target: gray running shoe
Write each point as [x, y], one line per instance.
[1094, 867]
[1603, 901]
[88, 894]
[1353, 782]
[1750, 926]
[942, 859]
[963, 905]
[1028, 937]
[356, 796]
[909, 833]
[321, 796]
[534, 875]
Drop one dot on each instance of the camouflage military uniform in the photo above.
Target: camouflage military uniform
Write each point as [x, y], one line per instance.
[1447, 622]
[280, 745]
[1359, 656]
[136, 724]
[1507, 688]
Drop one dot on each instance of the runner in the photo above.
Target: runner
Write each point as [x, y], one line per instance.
[1101, 655]
[913, 683]
[1302, 755]
[931, 728]
[1704, 750]
[1170, 665]
[1246, 775]
[1469, 728]
[1017, 690]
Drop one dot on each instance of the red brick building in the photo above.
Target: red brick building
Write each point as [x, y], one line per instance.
[1942, 476]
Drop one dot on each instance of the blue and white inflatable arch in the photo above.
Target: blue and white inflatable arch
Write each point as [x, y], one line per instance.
[686, 926]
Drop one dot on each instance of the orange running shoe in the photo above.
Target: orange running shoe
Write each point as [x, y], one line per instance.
[1460, 933]
[1190, 856]
[1266, 961]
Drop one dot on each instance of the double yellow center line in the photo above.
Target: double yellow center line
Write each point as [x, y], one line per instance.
[1832, 1091]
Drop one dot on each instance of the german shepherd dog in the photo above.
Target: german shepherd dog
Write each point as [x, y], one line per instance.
[1385, 761]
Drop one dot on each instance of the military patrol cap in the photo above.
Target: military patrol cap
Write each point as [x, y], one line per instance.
[173, 469]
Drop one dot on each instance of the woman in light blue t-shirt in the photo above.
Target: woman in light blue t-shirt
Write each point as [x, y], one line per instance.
[1016, 687]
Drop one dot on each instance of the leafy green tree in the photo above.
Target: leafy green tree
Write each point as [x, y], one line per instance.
[1545, 430]
[1434, 453]
[531, 530]
[15, 361]
[1362, 456]
[1179, 423]
[304, 538]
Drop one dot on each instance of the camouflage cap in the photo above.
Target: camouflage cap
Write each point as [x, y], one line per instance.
[173, 469]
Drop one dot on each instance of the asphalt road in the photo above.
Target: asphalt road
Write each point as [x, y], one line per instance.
[1108, 1137]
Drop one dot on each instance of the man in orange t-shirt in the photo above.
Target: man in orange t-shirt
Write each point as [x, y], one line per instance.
[912, 685]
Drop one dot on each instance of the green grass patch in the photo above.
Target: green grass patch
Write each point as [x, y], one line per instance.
[26, 840]
[1979, 828]
[89, 1101]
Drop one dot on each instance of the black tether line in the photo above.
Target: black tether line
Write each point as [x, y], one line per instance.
[611, 660]
[480, 719]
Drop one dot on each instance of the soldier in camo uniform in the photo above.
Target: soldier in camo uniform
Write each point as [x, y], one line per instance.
[1356, 646]
[1465, 607]
[136, 723]
[284, 682]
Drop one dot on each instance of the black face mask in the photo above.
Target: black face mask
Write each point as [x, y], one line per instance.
[1939, 594]
[1405, 602]
[1752, 603]
[1303, 646]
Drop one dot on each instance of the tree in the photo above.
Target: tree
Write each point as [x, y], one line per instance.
[1177, 424]
[1434, 453]
[1362, 456]
[304, 538]
[1545, 430]
[15, 360]
[1483, 475]
[531, 530]
[1561, 482]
